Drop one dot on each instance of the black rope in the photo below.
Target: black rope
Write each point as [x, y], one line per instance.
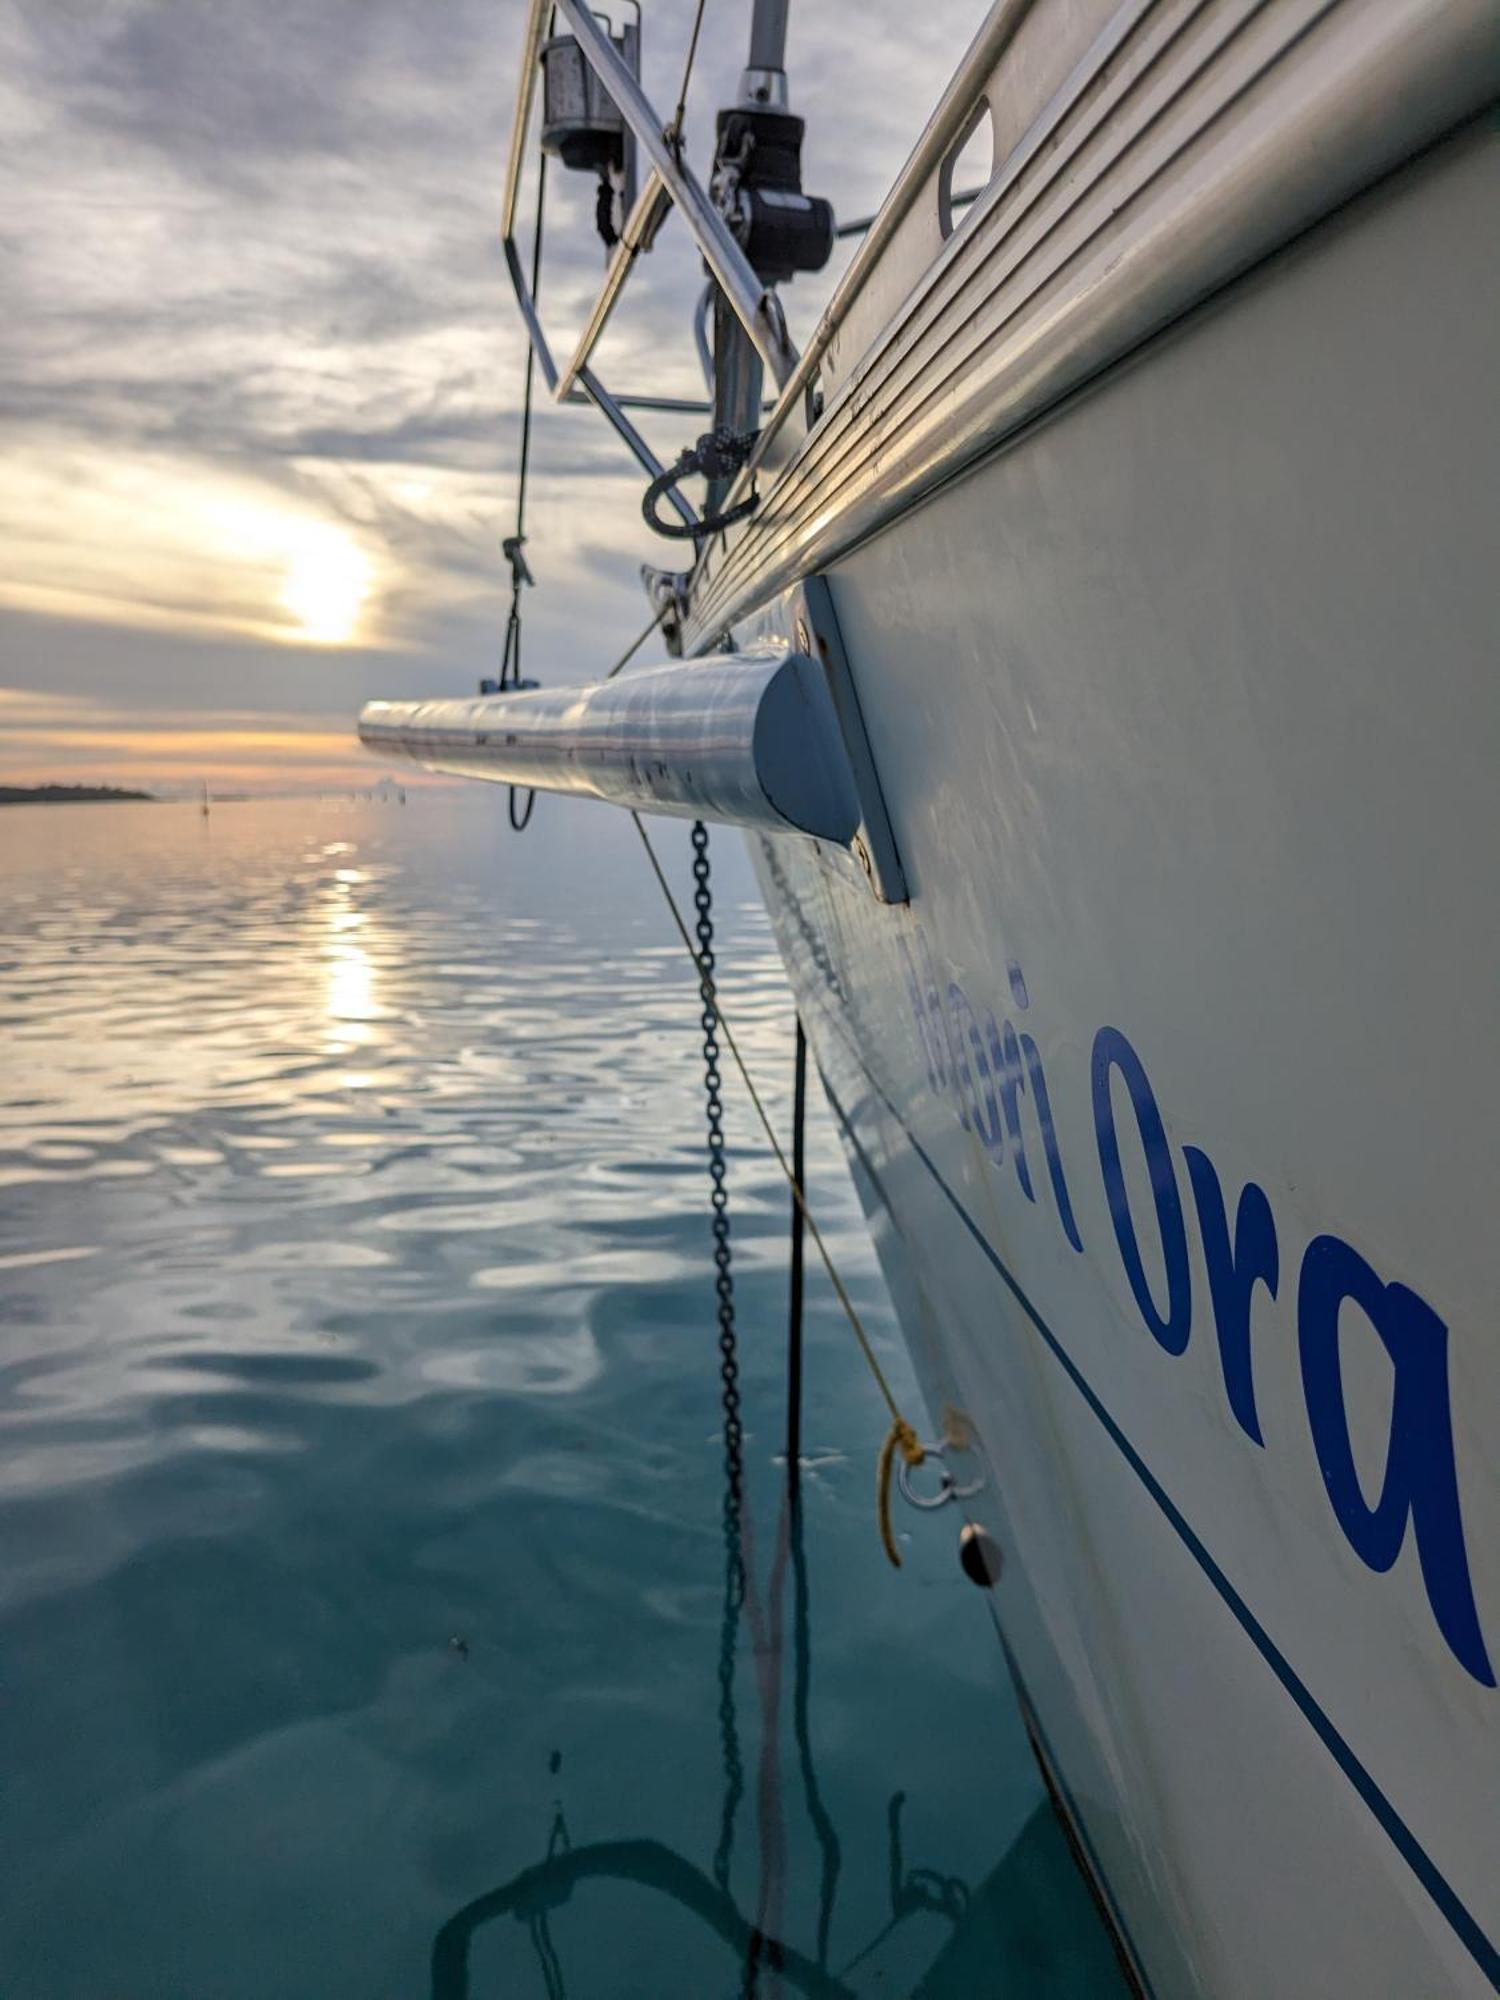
[520, 575]
[524, 469]
[718, 454]
[822, 1820]
[823, 1827]
[729, 1369]
[794, 1288]
[540, 1915]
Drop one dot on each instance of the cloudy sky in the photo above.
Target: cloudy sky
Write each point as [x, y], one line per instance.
[260, 375]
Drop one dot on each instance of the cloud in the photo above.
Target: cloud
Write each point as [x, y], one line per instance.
[255, 297]
[52, 738]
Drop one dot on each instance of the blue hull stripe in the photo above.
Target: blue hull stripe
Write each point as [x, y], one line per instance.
[1465, 1925]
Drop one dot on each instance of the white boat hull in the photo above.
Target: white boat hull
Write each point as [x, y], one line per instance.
[1139, 524]
[1185, 710]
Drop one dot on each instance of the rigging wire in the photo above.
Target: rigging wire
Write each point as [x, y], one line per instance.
[520, 575]
[639, 640]
[673, 134]
[524, 468]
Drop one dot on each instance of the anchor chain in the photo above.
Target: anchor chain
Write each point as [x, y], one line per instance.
[729, 1371]
[729, 1367]
[902, 1437]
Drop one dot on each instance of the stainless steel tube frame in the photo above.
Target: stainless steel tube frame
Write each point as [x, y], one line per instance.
[531, 55]
[612, 408]
[640, 226]
[754, 305]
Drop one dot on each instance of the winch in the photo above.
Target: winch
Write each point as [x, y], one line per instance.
[757, 187]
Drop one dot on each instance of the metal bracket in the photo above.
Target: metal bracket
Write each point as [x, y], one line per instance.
[948, 1487]
[814, 627]
[666, 590]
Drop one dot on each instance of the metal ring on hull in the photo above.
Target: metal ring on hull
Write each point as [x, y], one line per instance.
[948, 1489]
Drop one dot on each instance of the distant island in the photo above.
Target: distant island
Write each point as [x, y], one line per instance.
[65, 795]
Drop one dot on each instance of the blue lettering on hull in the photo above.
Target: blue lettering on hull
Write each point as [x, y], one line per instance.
[986, 1070]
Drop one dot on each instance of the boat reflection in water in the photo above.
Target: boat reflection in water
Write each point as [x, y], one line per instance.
[1029, 1926]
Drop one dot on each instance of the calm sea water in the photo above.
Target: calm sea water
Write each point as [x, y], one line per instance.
[362, 1607]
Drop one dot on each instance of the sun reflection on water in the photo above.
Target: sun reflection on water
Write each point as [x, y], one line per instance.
[351, 1002]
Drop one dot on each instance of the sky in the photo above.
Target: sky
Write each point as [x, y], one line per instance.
[260, 371]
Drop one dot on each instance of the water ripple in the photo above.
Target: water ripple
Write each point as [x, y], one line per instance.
[359, 1407]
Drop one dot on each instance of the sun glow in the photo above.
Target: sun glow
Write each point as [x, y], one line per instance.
[166, 544]
[326, 581]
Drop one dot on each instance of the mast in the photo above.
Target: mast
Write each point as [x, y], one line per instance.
[767, 65]
[759, 151]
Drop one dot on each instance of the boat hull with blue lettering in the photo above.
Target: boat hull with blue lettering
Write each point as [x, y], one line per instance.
[1132, 521]
[1171, 1093]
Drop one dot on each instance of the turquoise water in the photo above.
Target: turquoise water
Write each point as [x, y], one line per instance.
[361, 1485]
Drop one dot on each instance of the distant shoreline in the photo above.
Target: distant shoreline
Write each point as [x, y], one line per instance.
[69, 795]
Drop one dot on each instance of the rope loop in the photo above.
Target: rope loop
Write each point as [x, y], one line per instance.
[718, 454]
[899, 1438]
[907, 1442]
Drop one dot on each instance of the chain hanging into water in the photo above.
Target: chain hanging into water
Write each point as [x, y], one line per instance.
[902, 1437]
[729, 1368]
[520, 575]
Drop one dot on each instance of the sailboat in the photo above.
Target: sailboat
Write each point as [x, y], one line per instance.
[1094, 640]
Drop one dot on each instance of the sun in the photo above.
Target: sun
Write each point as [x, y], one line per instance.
[325, 582]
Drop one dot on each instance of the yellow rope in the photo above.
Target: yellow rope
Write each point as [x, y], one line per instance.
[901, 1436]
